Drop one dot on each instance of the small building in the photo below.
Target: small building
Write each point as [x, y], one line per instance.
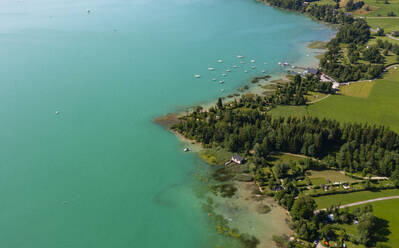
[331, 217]
[238, 159]
[335, 85]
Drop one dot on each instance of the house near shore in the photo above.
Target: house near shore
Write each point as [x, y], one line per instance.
[238, 159]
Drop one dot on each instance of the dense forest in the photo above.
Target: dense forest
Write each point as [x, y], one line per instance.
[243, 126]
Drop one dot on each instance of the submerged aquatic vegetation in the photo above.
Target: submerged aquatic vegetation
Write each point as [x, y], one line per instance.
[263, 209]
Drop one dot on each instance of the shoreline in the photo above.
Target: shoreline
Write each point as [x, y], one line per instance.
[307, 60]
[241, 209]
[248, 219]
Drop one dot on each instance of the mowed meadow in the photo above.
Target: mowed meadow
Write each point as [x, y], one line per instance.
[374, 102]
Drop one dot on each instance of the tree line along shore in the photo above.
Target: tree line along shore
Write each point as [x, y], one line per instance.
[312, 156]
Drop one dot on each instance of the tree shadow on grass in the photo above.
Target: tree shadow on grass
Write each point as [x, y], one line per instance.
[381, 230]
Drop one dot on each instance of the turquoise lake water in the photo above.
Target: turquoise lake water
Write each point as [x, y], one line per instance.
[101, 173]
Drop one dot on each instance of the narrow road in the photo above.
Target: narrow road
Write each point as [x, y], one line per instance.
[389, 67]
[382, 17]
[387, 35]
[368, 178]
[390, 36]
[318, 100]
[366, 201]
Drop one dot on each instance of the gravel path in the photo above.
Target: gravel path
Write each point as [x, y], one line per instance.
[364, 202]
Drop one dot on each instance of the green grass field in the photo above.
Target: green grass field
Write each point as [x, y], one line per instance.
[324, 2]
[388, 24]
[285, 158]
[327, 201]
[380, 107]
[332, 175]
[386, 210]
[215, 156]
[314, 96]
[374, 39]
[362, 90]
[379, 8]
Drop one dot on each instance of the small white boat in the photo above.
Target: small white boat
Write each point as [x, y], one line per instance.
[265, 63]
[279, 63]
[253, 67]
[240, 56]
[57, 112]
[285, 64]
[222, 90]
[211, 69]
[186, 149]
[246, 71]
[242, 62]
[220, 61]
[252, 61]
[263, 71]
[228, 70]
[235, 66]
[197, 75]
[293, 67]
[221, 81]
[213, 79]
[224, 75]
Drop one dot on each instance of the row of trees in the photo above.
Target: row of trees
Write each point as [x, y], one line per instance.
[326, 13]
[351, 147]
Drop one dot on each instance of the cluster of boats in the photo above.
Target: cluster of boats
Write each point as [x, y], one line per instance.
[252, 65]
[224, 74]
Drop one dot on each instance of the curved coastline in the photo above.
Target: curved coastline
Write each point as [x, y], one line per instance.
[243, 206]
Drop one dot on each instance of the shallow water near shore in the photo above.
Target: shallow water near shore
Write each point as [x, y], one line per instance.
[101, 173]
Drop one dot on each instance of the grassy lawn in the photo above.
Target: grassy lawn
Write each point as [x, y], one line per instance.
[285, 111]
[324, 2]
[386, 210]
[327, 201]
[318, 181]
[314, 96]
[380, 107]
[215, 156]
[388, 24]
[374, 39]
[332, 175]
[379, 8]
[285, 158]
[362, 89]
